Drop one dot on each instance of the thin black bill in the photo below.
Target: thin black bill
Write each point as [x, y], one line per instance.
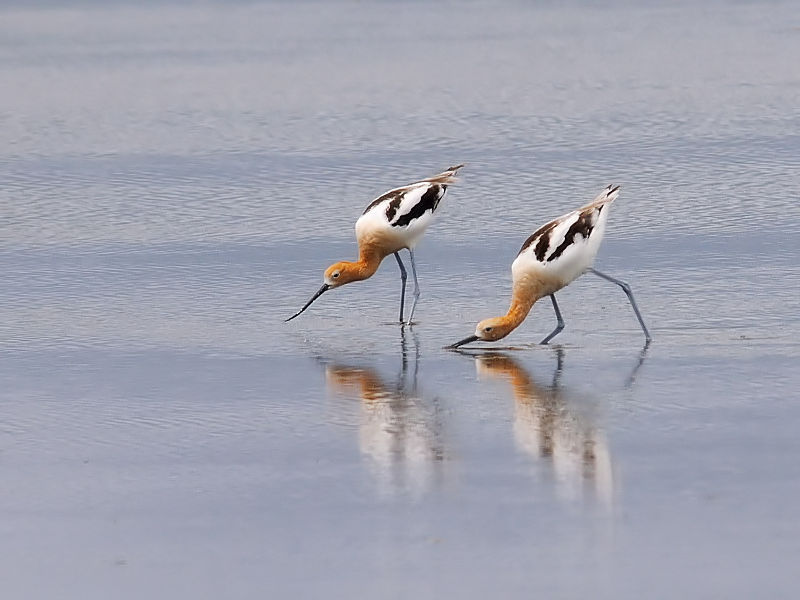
[467, 340]
[325, 287]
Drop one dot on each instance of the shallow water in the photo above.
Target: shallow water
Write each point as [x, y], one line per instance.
[176, 177]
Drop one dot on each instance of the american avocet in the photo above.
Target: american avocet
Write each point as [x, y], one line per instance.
[394, 221]
[553, 257]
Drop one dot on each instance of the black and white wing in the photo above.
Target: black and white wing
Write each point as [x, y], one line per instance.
[402, 206]
[571, 241]
[407, 211]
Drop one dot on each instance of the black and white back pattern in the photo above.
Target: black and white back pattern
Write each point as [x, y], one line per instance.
[571, 231]
[405, 205]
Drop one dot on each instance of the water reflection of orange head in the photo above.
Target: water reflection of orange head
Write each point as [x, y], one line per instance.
[399, 430]
[549, 426]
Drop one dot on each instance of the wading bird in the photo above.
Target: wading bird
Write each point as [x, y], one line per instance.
[394, 221]
[553, 257]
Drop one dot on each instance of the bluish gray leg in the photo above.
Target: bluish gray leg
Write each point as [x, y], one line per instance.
[416, 285]
[560, 325]
[403, 278]
[627, 289]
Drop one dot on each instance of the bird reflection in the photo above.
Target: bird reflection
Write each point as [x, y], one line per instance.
[400, 432]
[551, 427]
[642, 356]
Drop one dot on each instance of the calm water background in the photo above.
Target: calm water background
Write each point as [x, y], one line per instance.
[175, 177]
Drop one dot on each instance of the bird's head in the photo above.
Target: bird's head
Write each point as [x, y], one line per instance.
[335, 276]
[488, 330]
[340, 273]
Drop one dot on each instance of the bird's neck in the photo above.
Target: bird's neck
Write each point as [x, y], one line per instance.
[523, 298]
[369, 259]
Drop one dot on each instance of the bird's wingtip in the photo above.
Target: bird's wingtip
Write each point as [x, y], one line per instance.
[446, 177]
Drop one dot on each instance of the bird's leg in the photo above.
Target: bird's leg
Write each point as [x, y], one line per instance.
[627, 289]
[403, 278]
[560, 325]
[416, 285]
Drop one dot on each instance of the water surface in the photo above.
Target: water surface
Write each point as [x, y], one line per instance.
[177, 176]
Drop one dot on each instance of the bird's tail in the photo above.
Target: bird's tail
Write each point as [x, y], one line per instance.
[446, 177]
[607, 196]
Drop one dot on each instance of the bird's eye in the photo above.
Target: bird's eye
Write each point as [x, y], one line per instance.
[487, 329]
[335, 275]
